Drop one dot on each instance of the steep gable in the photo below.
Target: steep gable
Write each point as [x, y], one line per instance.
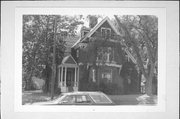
[68, 60]
[104, 23]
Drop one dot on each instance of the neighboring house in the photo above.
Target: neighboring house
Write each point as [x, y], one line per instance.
[96, 61]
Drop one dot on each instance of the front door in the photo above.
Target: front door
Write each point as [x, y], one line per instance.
[70, 79]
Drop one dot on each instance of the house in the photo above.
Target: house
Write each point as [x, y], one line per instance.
[96, 61]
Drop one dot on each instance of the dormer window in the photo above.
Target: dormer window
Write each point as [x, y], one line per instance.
[84, 33]
[105, 32]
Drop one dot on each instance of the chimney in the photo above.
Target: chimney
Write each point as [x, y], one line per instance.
[93, 20]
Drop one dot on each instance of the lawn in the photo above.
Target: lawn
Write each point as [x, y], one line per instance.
[35, 96]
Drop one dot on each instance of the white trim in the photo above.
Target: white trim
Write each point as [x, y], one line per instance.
[73, 59]
[76, 42]
[68, 65]
[95, 28]
[109, 64]
[65, 76]
[80, 63]
[75, 76]
[61, 76]
[105, 28]
[98, 25]
[66, 58]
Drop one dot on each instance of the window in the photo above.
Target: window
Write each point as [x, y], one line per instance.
[99, 98]
[105, 32]
[69, 99]
[105, 54]
[82, 99]
[93, 71]
[83, 34]
[107, 75]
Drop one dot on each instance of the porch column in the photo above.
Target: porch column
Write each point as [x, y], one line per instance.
[75, 82]
[65, 76]
[77, 76]
[59, 80]
[61, 76]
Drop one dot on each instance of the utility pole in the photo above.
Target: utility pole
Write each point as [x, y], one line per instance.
[54, 60]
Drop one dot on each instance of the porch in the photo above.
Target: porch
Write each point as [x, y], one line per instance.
[68, 75]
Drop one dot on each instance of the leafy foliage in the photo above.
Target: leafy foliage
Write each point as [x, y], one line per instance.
[38, 40]
[140, 33]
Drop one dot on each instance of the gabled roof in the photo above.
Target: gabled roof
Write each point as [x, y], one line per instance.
[115, 30]
[69, 60]
[96, 27]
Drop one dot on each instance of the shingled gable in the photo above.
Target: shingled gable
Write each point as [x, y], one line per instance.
[68, 60]
[114, 29]
[95, 28]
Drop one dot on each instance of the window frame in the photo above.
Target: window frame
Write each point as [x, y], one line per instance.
[105, 73]
[106, 29]
[111, 55]
[88, 100]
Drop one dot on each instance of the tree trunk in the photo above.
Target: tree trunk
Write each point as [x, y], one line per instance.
[149, 80]
[54, 61]
[29, 81]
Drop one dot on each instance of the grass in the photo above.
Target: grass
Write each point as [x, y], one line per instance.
[35, 96]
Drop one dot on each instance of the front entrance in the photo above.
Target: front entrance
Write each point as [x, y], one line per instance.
[70, 79]
[68, 75]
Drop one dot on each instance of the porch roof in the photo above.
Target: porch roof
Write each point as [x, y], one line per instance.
[69, 61]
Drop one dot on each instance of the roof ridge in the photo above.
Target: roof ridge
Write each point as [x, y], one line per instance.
[95, 28]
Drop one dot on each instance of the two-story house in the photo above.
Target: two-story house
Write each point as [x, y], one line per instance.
[96, 61]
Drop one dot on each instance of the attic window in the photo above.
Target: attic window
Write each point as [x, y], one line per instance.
[105, 32]
[84, 33]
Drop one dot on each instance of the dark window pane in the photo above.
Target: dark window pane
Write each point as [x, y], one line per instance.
[82, 99]
[99, 98]
[69, 99]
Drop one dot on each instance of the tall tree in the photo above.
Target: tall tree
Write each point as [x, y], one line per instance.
[140, 33]
[38, 33]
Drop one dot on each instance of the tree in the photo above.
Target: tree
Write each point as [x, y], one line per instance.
[140, 33]
[38, 33]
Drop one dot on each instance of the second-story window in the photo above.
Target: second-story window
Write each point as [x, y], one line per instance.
[105, 32]
[105, 54]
